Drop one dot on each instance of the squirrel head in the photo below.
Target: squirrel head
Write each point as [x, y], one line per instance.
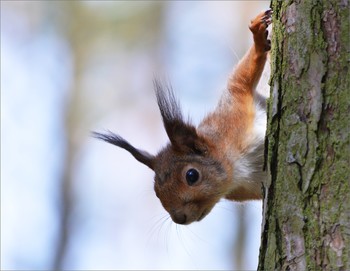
[189, 180]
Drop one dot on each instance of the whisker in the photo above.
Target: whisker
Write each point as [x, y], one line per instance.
[167, 233]
[183, 243]
[157, 226]
[198, 237]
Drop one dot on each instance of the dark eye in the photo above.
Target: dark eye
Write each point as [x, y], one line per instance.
[192, 176]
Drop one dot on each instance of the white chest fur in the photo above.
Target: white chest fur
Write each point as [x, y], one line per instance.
[248, 167]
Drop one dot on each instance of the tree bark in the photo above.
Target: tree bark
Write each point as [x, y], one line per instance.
[306, 211]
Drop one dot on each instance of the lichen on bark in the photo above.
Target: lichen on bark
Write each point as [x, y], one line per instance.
[306, 210]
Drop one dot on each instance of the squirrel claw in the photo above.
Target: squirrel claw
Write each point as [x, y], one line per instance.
[266, 20]
[258, 27]
[269, 11]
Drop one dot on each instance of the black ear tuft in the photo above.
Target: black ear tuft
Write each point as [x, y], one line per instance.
[182, 135]
[168, 104]
[140, 155]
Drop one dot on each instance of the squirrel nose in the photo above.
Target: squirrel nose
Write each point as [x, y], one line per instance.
[179, 218]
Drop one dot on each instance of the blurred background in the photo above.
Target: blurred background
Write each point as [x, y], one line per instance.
[71, 202]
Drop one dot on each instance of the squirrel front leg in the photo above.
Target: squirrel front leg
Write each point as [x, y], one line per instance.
[235, 113]
[249, 69]
[249, 138]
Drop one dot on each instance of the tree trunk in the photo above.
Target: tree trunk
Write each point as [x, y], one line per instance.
[306, 223]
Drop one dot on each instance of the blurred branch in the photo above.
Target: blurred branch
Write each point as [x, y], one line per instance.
[83, 27]
[239, 244]
[66, 195]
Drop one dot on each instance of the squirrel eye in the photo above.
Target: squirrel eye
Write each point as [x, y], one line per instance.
[192, 176]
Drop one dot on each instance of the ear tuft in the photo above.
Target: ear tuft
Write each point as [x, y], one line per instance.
[140, 155]
[168, 104]
[183, 135]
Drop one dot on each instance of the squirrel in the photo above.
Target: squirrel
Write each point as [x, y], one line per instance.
[221, 158]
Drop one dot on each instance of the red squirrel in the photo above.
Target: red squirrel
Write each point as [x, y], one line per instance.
[221, 158]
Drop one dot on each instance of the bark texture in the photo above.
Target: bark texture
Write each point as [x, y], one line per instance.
[306, 223]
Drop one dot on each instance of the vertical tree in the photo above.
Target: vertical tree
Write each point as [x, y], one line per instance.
[306, 200]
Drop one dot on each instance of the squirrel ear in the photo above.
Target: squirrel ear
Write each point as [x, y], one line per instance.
[140, 155]
[183, 136]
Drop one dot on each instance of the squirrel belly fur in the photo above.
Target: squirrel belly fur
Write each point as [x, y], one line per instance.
[224, 156]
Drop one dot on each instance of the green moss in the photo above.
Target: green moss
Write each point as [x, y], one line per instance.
[308, 134]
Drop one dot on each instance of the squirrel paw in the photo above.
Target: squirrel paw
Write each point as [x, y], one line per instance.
[258, 27]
